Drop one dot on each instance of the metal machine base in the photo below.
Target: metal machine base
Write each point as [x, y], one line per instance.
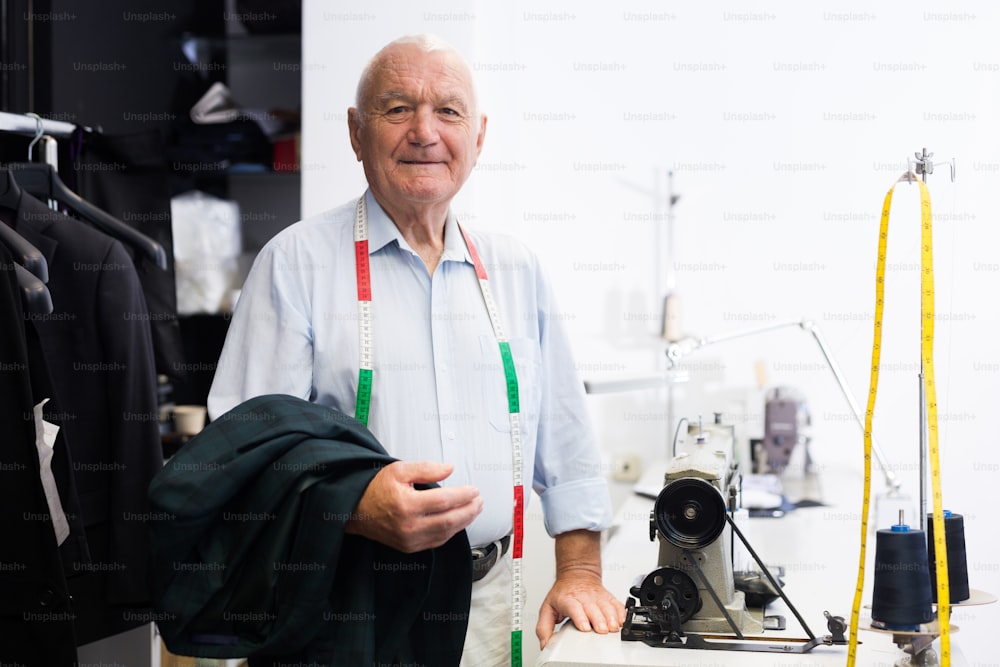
[668, 598]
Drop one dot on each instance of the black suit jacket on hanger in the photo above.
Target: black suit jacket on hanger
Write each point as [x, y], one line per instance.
[98, 347]
[36, 621]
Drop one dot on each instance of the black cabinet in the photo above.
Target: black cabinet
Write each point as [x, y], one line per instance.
[251, 159]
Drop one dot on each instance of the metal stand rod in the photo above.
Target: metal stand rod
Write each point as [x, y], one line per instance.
[924, 166]
[671, 278]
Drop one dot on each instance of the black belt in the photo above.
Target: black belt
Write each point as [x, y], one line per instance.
[484, 558]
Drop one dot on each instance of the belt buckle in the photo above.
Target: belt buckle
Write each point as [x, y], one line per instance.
[483, 560]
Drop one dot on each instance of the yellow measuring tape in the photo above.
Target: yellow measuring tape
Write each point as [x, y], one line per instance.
[927, 359]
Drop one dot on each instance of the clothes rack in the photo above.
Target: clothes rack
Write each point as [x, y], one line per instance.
[29, 125]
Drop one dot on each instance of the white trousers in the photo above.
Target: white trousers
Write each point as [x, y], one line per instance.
[487, 642]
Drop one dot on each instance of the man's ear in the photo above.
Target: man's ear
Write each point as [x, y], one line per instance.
[482, 135]
[354, 129]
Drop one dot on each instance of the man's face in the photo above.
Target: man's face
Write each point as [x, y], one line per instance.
[420, 135]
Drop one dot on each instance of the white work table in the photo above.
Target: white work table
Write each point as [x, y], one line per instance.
[818, 547]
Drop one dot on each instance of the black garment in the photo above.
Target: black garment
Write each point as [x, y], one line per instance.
[99, 352]
[251, 558]
[128, 176]
[74, 551]
[36, 622]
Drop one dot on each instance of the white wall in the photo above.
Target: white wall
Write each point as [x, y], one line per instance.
[784, 125]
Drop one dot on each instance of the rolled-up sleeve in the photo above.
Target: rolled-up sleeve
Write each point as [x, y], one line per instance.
[568, 473]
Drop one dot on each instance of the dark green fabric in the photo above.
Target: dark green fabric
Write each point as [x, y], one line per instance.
[250, 556]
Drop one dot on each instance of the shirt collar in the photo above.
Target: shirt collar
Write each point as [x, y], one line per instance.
[382, 231]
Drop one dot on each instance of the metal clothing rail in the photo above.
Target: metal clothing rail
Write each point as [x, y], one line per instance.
[27, 125]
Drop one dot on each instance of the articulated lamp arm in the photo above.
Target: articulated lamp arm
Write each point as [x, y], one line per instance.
[681, 348]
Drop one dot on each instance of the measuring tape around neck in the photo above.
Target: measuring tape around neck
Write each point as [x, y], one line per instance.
[927, 360]
[365, 378]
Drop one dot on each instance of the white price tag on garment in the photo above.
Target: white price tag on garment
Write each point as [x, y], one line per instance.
[45, 441]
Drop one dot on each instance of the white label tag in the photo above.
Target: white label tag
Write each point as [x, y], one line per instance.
[45, 441]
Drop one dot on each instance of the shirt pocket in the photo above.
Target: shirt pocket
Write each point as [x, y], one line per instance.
[528, 365]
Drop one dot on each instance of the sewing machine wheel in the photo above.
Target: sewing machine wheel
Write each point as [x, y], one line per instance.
[690, 513]
[667, 583]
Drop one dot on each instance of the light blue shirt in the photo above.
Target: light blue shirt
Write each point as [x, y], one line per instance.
[439, 392]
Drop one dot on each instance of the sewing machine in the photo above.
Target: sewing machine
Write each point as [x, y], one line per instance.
[691, 599]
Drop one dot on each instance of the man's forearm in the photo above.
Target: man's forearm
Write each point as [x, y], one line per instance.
[578, 551]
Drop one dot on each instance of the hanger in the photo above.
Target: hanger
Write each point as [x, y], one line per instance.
[24, 253]
[42, 180]
[10, 194]
[34, 293]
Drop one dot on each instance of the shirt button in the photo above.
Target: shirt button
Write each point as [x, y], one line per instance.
[451, 435]
[444, 367]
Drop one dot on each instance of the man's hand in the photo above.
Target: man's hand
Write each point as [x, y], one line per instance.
[394, 513]
[578, 593]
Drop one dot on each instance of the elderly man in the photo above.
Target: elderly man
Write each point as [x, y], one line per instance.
[444, 341]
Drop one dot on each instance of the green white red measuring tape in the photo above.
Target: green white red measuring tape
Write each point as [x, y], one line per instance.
[365, 379]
